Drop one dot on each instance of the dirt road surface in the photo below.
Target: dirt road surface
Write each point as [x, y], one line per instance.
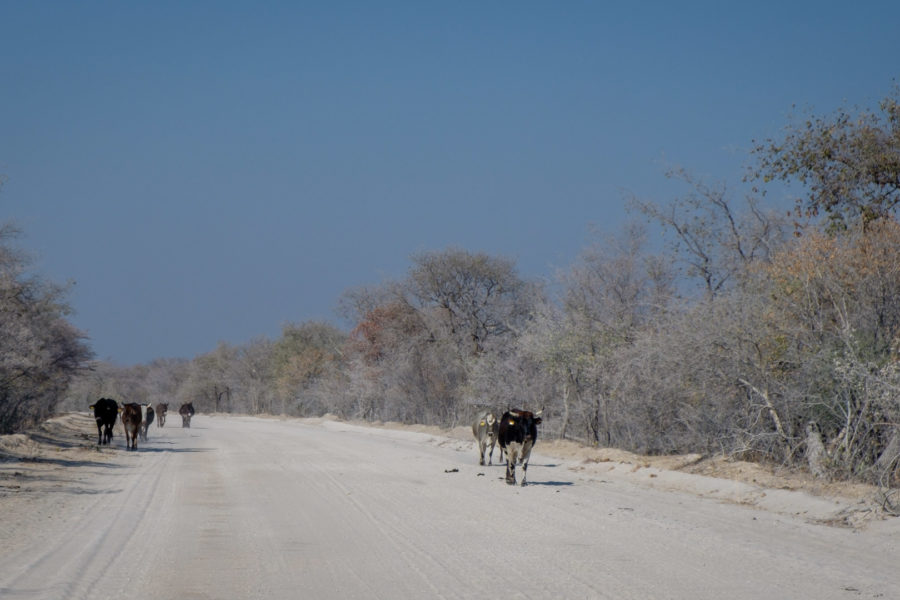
[247, 508]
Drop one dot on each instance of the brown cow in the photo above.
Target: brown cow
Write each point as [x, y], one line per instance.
[186, 411]
[131, 420]
[161, 409]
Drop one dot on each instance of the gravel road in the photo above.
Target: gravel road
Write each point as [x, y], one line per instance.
[246, 508]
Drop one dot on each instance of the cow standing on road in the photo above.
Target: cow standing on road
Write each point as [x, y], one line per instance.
[485, 429]
[105, 412]
[131, 420]
[517, 435]
[147, 414]
[186, 411]
[161, 409]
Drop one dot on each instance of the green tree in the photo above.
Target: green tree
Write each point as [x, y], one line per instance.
[301, 357]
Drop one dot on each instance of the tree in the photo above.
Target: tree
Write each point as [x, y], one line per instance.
[850, 165]
[836, 297]
[710, 236]
[614, 289]
[254, 374]
[40, 351]
[303, 355]
[212, 380]
[479, 297]
[417, 340]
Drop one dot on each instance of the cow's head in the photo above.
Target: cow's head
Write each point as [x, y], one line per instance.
[524, 419]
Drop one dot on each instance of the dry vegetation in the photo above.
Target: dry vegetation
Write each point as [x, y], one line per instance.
[750, 336]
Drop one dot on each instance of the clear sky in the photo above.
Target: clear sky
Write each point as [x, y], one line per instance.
[209, 171]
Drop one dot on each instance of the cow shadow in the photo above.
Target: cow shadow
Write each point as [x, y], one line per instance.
[552, 483]
[519, 464]
[173, 450]
[66, 462]
[49, 440]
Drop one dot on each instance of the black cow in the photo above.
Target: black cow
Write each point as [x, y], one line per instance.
[105, 412]
[186, 411]
[147, 414]
[131, 420]
[161, 409]
[517, 436]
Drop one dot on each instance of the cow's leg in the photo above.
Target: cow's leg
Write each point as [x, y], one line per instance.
[526, 456]
[99, 433]
[510, 466]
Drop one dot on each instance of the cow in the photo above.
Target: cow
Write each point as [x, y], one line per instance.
[161, 409]
[517, 436]
[105, 412]
[186, 411]
[485, 430]
[147, 415]
[131, 420]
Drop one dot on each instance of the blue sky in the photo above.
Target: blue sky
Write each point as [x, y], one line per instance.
[209, 171]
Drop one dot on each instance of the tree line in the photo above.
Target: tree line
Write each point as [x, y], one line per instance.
[763, 334]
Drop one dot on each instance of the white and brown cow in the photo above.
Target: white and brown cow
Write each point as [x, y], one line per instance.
[147, 414]
[161, 409]
[485, 429]
[517, 436]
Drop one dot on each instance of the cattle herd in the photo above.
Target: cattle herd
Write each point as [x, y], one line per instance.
[136, 419]
[515, 432]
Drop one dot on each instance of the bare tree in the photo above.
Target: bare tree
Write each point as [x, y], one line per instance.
[40, 351]
[478, 297]
[710, 237]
